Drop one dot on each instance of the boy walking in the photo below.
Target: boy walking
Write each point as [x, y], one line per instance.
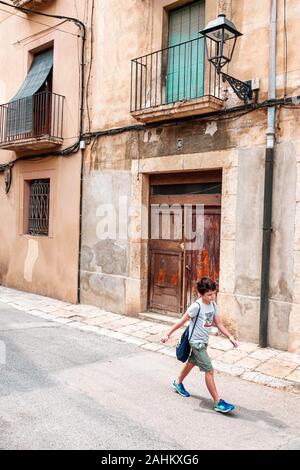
[202, 315]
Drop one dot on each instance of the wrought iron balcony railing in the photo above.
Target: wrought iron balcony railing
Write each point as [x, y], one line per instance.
[29, 3]
[35, 117]
[176, 73]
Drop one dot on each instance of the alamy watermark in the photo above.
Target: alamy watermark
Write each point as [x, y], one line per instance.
[167, 222]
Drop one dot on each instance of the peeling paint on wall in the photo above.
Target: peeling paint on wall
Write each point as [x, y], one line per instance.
[31, 258]
[211, 128]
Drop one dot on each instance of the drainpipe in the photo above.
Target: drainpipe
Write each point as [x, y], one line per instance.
[268, 192]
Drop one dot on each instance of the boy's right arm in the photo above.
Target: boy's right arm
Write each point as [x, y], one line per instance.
[177, 325]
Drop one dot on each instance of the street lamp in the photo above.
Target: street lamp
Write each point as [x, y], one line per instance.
[220, 41]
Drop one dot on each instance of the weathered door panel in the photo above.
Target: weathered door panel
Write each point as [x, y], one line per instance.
[204, 261]
[166, 280]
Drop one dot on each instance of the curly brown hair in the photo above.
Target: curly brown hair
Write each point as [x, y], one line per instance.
[205, 284]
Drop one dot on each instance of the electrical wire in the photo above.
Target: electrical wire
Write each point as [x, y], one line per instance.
[6, 18]
[39, 33]
[90, 67]
[37, 22]
[228, 115]
[285, 49]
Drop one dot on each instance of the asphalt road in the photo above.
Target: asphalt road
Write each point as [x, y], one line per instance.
[65, 389]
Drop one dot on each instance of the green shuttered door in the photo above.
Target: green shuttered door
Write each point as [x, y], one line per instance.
[185, 61]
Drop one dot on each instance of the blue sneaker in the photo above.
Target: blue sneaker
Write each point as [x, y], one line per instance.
[223, 407]
[180, 389]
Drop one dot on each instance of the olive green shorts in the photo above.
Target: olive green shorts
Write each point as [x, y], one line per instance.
[200, 358]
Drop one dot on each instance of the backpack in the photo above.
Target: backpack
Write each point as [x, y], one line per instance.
[183, 348]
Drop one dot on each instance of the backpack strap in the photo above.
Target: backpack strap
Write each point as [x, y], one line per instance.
[199, 308]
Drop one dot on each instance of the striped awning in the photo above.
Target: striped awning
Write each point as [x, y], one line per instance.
[20, 107]
[37, 75]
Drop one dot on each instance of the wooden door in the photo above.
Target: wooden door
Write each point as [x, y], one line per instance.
[176, 263]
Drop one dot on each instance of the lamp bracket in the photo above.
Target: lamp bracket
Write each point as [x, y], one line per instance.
[242, 89]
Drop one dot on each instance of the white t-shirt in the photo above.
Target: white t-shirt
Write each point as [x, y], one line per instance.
[204, 323]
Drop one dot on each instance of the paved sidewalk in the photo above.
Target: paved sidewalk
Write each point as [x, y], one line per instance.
[270, 367]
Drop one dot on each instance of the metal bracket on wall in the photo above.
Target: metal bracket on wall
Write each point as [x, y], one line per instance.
[7, 180]
[242, 89]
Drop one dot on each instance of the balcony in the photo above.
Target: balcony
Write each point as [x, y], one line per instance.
[32, 4]
[34, 123]
[177, 81]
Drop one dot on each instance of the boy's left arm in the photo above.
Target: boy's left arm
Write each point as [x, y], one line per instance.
[224, 331]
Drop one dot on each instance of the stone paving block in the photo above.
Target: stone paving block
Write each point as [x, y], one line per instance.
[47, 316]
[131, 328]
[124, 322]
[152, 346]
[23, 307]
[214, 353]
[167, 351]
[82, 327]
[214, 339]
[64, 321]
[92, 329]
[277, 368]
[98, 321]
[44, 303]
[146, 324]
[133, 340]
[128, 321]
[155, 338]
[233, 356]
[57, 303]
[88, 319]
[172, 342]
[231, 369]
[15, 306]
[294, 376]
[248, 363]
[87, 315]
[102, 331]
[33, 306]
[223, 345]
[63, 313]
[270, 381]
[77, 325]
[116, 335]
[140, 334]
[71, 307]
[264, 354]
[289, 357]
[249, 375]
[36, 313]
[49, 309]
[177, 334]
[248, 347]
[85, 309]
[76, 318]
[158, 328]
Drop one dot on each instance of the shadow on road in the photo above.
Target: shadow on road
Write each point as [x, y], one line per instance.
[243, 413]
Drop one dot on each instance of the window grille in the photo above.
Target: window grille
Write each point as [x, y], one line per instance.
[39, 207]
